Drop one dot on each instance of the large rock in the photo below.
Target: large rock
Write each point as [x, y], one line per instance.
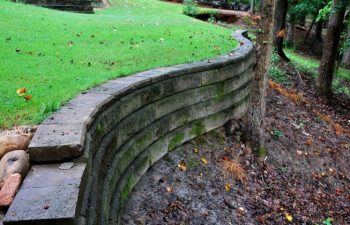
[14, 142]
[13, 162]
[9, 190]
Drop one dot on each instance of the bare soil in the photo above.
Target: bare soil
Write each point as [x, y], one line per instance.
[304, 178]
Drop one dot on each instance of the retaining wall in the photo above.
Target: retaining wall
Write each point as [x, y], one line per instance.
[66, 5]
[114, 132]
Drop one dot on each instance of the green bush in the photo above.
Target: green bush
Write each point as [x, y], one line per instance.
[278, 75]
[190, 8]
[275, 73]
[211, 19]
[275, 58]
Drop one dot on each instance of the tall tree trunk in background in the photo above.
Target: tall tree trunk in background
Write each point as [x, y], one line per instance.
[309, 30]
[279, 27]
[255, 117]
[302, 20]
[261, 5]
[318, 30]
[290, 30]
[330, 48]
[252, 6]
[346, 56]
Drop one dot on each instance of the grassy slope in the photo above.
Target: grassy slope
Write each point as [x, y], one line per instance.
[313, 64]
[64, 53]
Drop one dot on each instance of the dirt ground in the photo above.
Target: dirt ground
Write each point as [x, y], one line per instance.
[216, 179]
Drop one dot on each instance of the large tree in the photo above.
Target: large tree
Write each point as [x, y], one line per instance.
[255, 116]
[279, 28]
[331, 47]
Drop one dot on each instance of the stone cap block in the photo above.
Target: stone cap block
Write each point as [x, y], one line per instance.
[49, 195]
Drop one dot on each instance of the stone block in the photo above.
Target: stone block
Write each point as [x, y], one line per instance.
[48, 196]
[54, 142]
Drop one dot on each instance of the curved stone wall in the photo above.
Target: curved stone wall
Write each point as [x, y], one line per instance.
[116, 131]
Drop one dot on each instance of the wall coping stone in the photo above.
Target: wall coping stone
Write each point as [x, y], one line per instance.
[49, 195]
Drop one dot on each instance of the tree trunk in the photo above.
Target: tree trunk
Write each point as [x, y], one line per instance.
[302, 20]
[252, 6]
[255, 117]
[261, 5]
[346, 55]
[309, 30]
[330, 48]
[280, 26]
[318, 30]
[290, 31]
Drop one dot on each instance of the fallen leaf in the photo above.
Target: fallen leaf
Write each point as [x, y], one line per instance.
[204, 161]
[195, 150]
[308, 142]
[228, 186]
[226, 158]
[169, 189]
[19, 51]
[182, 166]
[241, 210]
[28, 97]
[338, 191]
[288, 216]
[70, 43]
[66, 166]
[21, 91]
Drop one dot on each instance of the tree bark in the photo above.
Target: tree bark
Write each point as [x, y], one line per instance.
[255, 117]
[302, 20]
[330, 48]
[261, 5]
[252, 6]
[280, 16]
[318, 30]
[290, 30]
[346, 55]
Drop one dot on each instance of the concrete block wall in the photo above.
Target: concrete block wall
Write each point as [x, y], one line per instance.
[66, 5]
[110, 135]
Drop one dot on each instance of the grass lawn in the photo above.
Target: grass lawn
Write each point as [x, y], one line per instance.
[312, 65]
[55, 55]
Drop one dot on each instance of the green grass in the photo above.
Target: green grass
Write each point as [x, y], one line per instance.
[59, 54]
[312, 65]
[308, 65]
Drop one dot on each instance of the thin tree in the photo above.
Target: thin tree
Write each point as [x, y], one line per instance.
[256, 114]
[279, 28]
[252, 6]
[346, 54]
[331, 47]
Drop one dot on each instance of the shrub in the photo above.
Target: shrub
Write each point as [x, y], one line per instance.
[190, 7]
[211, 19]
[278, 75]
[248, 20]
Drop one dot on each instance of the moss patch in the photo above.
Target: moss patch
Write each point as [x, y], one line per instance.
[198, 128]
[176, 140]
